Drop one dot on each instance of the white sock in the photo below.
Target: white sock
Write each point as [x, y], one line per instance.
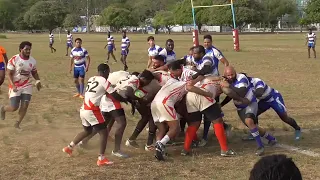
[71, 145]
[101, 157]
[165, 140]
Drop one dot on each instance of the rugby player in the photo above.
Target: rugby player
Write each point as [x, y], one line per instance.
[81, 60]
[90, 113]
[69, 42]
[21, 68]
[153, 50]
[51, 42]
[3, 63]
[311, 42]
[247, 113]
[168, 52]
[125, 45]
[111, 47]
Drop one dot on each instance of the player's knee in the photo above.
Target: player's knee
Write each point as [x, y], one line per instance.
[249, 122]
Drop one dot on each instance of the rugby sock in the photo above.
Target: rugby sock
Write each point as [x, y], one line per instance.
[190, 134]
[81, 88]
[269, 137]
[221, 136]
[71, 145]
[256, 135]
[78, 88]
[293, 123]
[150, 138]
[165, 140]
[206, 127]
[101, 157]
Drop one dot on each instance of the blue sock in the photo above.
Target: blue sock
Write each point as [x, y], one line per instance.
[206, 127]
[78, 88]
[269, 137]
[256, 135]
[81, 88]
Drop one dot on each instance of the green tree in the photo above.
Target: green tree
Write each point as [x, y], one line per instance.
[8, 11]
[312, 12]
[274, 10]
[46, 14]
[165, 19]
[246, 12]
[117, 17]
[71, 20]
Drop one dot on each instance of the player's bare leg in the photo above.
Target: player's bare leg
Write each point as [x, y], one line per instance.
[81, 87]
[120, 127]
[76, 82]
[67, 54]
[314, 52]
[108, 56]
[309, 52]
[14, 105]
[2, 77]
[22, 111]
[171, 134]
[289, 120]
[113, 56]
[124, 62]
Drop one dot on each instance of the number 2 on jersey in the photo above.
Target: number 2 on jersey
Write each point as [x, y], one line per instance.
[91, 86]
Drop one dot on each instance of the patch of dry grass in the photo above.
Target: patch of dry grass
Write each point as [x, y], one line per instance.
[280, 60]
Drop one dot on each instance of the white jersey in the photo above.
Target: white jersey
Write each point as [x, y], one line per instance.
[118, 76]
[186, 74]
[168, 56]
[171, 92]
[311, 38]
[23, 70]
[164, 77]
[153, 51]
[132, 82]
[97, 86]
[110, 40]
[125, 43]
[69, 38]
[79, 56]
[51, 37]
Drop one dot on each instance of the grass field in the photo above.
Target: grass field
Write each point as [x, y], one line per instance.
[53, 117]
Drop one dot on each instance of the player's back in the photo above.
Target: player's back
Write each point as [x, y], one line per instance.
[118, 76]
[97, 86]
[171, 92]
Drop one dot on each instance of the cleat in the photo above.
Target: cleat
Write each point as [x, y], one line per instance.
[76, 95]
[149, 148]
[202, 143]
[228, 153]
[195, 144]
[67, 150]
[160, 151]
[2, 113]
[297, 134]
[185, 152]
[259, 151]
[17, 125]
[120, 154]
[104, 162]
[132, 143]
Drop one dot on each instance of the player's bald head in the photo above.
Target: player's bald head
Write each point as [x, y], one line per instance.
[230, 73]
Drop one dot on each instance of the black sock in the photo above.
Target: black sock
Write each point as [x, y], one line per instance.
[150, 138]
[293, 123]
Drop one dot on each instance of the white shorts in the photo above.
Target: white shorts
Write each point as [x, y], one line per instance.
[91, 118]
[196, 102]
[163, 112]
[25, 90]
[108, 104]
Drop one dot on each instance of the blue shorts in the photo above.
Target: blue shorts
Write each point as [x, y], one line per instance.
[79, 72]
[311, 45]
[125, 52]
[110, 48]
[2, 66]
[70, 45]
[277, 104]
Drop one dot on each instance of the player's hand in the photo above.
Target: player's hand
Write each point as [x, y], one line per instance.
[224, 84]
[191, 83]
[14, 88]
[38, 86]
[70, 71]
[114, 49]
[87, 68]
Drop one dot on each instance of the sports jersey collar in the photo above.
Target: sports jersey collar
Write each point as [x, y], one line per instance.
[23, 57]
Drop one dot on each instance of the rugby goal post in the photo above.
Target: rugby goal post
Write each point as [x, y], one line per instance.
[235, 32]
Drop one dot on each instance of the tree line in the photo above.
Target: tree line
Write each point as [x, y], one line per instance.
[51, 14]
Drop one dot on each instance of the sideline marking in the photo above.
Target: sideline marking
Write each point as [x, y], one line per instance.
[298, 150]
